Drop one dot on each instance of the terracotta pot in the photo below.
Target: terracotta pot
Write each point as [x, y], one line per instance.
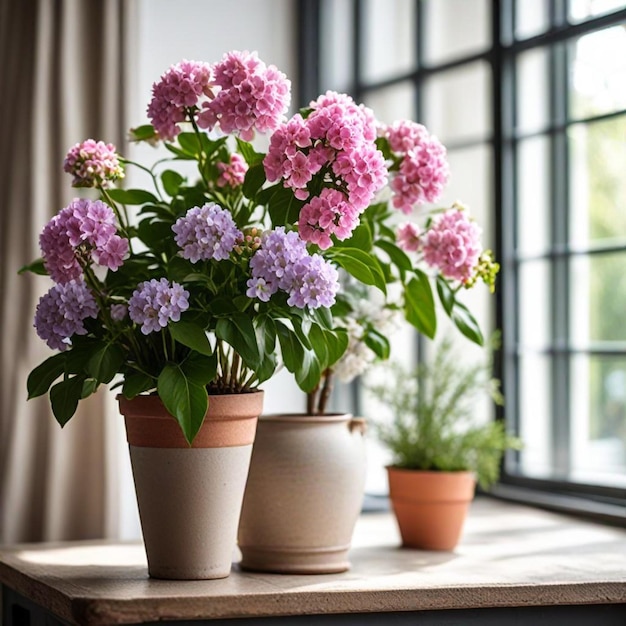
[190, 497]
[430, 507]
[304, 494]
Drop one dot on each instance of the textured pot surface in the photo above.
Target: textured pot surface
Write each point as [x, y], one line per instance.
[430, 507]
[190, 497]
[304, 494]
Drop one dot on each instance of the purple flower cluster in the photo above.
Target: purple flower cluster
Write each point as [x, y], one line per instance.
[452, 244]
[207, 232]
[93, 164]
[282, 262]
[424, 169]
[252, 96]
[183, 85]
[61, 312]
[155, 302]
[233, 173]
[85, 229]
[336, 140]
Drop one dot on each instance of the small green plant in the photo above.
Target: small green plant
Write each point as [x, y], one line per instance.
[433, 426]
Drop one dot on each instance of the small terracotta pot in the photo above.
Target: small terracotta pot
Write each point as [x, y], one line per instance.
[304, 494]
[190, 497]
[430, 507]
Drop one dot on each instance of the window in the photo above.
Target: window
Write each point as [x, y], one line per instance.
[530, 99]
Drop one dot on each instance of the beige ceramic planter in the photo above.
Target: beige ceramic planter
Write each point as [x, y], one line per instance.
[430, 507]
[190, 497]
[304, 494]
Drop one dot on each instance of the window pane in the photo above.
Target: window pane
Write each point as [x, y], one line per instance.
[534, 307]
[598, 181]
[532, 106]
[531, 18]
[582, 9]
[535, 415]
[471, 182]
[392, 103]
[455, 28]
[336, 49]
[598, 73]
[389, 38]
[457, 103]
[533, 195]
[598, 298]
[598, 429]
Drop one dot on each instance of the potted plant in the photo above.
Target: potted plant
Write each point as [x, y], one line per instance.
[307, 474]
[439, 450]
[189, 293]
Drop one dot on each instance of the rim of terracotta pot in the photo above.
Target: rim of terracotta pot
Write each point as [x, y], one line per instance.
[230, 421]
[404, 470]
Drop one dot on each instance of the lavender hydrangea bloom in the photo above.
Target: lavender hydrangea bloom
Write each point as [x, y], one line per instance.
[283, 262]
[118, 312]
[61, 312]
[155, 302]
[84, 228]
[207, 232]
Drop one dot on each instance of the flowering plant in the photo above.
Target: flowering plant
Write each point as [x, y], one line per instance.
[210, 284]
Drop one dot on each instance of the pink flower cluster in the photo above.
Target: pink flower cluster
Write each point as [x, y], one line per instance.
[155, 302]
[61, 312]
[232, 174]
[408, 237]
[337, 142]
[423, 170]
[82, 231]
[452, 244]
[182, 86]
[252, 96]
[93, 164]
[283, 263]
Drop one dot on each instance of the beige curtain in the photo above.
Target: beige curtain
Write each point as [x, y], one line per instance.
[61, 80]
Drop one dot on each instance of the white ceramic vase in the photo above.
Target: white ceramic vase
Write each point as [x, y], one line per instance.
[304, 494]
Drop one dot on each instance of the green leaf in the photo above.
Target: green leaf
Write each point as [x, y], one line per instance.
[398, 257]
[189, 143]
[467, 323]
[361, 238]
[266, 341]
[181, 154]
[336, 344]
[36, 267]
[143, 133]
[137, 383]
[446, 295]
[40, 379]
[200, 368]
[318, 343]
[363, 266]
[377, 343]
[191, 335]
[106, 362]
[89, 386]
[255, 177]
[419, 305]
[171, 182]
[284, 207]
[291, 349]
[248, 152]
[238, 331]
[64, 397]
[184, 399]
[309, 373]
[132, 196]
[155, 234]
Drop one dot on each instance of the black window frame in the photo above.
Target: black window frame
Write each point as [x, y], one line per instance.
[604, 503]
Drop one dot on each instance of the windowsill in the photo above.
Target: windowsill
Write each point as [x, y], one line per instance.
[509, 556]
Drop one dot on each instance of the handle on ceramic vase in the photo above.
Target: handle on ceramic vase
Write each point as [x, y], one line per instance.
[359, 424]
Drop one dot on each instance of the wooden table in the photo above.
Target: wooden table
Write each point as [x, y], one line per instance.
[514, 565]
